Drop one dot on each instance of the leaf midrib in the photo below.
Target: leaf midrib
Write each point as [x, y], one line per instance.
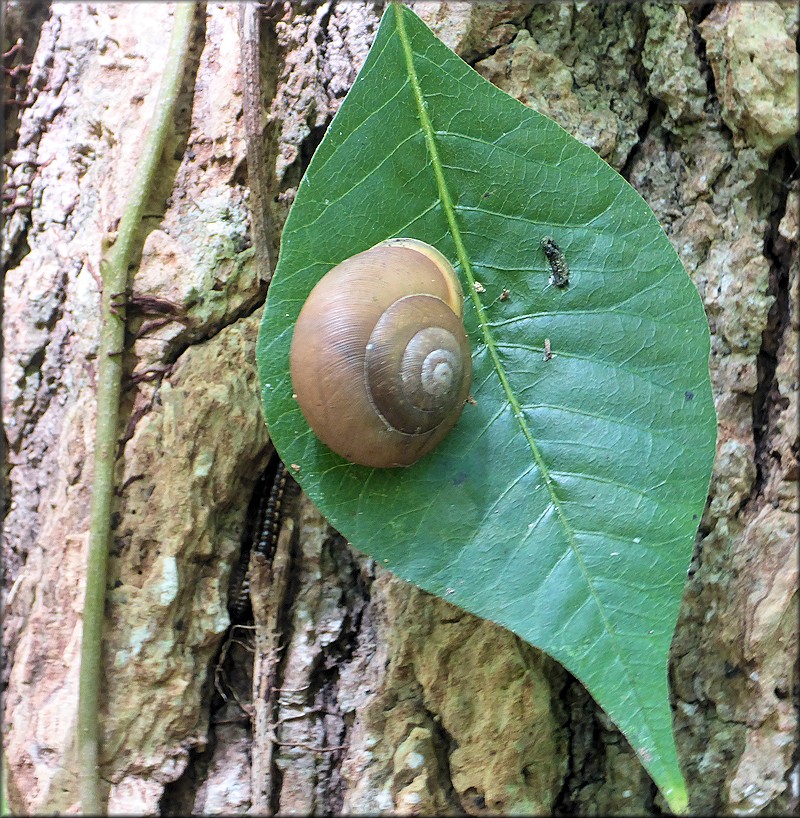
[463, 258]
[461, 251]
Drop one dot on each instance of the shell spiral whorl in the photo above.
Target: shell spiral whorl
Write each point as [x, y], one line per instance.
[380, 361]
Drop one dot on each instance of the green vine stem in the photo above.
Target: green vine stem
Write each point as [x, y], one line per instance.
[114, 272]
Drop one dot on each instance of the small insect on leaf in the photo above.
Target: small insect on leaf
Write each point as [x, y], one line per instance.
[558, 263]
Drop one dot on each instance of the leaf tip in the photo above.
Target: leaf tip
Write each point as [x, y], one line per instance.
[677, 798]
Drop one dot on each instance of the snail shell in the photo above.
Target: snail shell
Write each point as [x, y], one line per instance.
[380, 361]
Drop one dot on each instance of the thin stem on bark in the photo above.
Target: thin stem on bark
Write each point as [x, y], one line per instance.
[114, 272]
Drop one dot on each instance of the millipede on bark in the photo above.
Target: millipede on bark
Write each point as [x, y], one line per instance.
[261, 536]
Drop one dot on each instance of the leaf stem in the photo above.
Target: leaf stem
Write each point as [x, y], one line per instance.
[114, 271]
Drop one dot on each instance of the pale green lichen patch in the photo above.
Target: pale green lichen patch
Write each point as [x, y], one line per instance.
[178, 533]
[417, 775]
[674, 71]
[752, 51]
[573, 64]
[471, 29]
[200, 262]
[168, 589]
[496, 745]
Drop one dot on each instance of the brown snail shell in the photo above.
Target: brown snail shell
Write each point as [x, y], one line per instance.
[380, 360]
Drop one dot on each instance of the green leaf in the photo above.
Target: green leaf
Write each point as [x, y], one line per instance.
[565, 502]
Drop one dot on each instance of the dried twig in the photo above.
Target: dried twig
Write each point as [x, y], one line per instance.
[260, 227]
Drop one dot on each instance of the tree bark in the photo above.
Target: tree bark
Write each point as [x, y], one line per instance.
[380, 698]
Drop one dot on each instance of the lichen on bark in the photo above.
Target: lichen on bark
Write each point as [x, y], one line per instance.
[390, 700]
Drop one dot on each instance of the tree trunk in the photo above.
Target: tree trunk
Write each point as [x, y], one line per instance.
[380, 698]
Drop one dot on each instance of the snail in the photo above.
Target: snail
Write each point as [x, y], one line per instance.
[380, 361]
